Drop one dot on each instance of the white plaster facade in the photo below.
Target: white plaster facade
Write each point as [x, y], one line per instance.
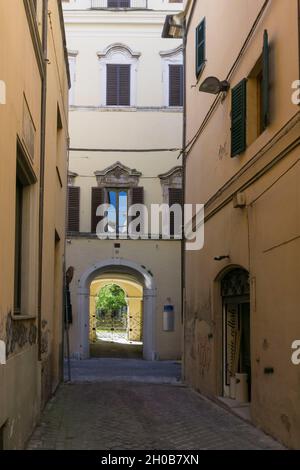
[124, 36]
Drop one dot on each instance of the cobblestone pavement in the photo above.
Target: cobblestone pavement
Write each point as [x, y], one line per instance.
[112, 415]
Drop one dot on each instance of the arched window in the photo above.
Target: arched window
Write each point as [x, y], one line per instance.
[118, 71]
[173, 77]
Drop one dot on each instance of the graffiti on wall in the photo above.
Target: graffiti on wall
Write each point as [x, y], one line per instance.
[19, 334]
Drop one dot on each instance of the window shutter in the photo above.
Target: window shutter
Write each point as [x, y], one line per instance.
[73, 208]
[175, 197]
[118, 3]
[200, 47]
[266, 81]
[118, 85]
[175, 85]
[124, 85]
[97, 200]
[238, 118]
[111, 84]
[137, 197]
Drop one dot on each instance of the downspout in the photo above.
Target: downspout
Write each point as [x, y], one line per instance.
[299, 37]
[183, 190]
[42, 173]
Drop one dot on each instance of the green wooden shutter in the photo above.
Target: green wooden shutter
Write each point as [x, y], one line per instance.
[266, 82]
[200, 47]
[238, 118]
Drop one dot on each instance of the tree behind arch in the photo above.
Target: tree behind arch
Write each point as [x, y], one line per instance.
[111, 298]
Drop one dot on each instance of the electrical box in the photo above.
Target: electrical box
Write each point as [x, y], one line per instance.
[169, 318]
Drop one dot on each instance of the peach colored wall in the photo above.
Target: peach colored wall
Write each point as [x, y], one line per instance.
[264, 236]
[21, 379]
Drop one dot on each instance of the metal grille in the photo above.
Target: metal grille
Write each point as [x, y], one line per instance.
[118, 327]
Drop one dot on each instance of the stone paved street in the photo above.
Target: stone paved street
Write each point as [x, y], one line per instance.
[139, 414]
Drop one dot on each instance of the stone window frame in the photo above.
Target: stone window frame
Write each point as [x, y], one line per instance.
[72, 56]
[118, 176]
[170, 57]
[118, 53]
[171, 179]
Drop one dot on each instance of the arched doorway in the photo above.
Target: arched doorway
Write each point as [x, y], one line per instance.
[116, 317]
[235, 291]
[117, 267]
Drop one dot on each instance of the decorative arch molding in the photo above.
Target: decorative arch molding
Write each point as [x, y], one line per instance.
[177, 51]
[118, 48]
[235, 283]
[118, 53]
[116, 266]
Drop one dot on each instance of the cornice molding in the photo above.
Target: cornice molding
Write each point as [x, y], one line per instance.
[108, 17]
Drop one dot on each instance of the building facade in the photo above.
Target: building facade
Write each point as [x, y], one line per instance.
[242, 161]
[126, 136]
[33, 182]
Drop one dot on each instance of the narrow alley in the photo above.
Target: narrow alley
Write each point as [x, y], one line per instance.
[150, 230]
[123, 404]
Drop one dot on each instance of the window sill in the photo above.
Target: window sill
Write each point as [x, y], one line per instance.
[17, 317]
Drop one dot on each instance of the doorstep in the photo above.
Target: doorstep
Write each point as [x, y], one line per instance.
[240, 409]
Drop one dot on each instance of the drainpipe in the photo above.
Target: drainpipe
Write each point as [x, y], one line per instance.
[42, 173]
[183, 189]
[299, 37]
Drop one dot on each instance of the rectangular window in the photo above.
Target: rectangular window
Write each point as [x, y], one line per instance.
[200, 47]
[118, 85]
[176, 85]
[24, 223]
[18, 246]
[73, 209]
[238, 118]
[118, 214]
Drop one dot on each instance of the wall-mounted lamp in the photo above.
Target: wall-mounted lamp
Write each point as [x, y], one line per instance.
[214, 86]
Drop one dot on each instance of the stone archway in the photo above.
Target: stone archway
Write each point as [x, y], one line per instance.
[112, 266]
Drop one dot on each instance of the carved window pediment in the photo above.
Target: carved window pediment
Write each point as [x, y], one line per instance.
[71, 178]
[118, 176]
[171, 179]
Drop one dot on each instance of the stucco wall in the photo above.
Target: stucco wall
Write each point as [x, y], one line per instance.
[263, 236]
[162, 259]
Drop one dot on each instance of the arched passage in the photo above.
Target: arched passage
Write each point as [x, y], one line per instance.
[117, 266]
[116, 332]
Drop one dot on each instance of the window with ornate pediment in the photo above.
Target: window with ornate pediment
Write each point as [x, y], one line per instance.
[118, 186]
